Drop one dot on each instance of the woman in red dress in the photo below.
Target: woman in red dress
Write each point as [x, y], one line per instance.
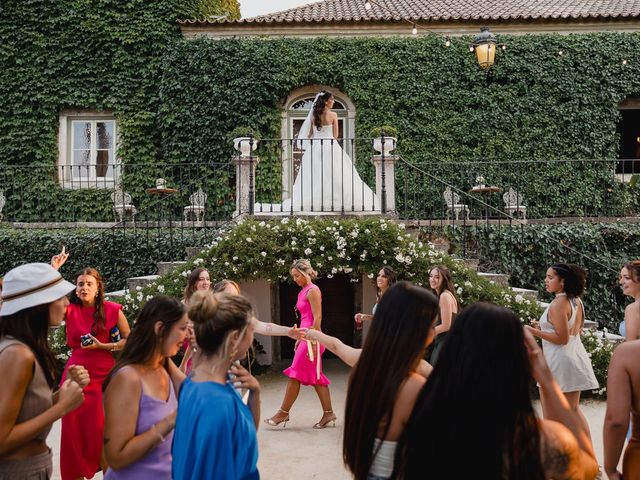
[95, 329]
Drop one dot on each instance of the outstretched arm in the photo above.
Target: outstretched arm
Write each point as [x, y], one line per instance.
[273, 329]
[347, 354]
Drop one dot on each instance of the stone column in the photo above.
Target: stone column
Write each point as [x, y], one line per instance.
[245, 183]
[386, 181]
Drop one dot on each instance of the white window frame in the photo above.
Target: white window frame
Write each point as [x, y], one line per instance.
[66, 176]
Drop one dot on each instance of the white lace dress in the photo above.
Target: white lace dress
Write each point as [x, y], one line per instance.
[327, 180]
[570, 363]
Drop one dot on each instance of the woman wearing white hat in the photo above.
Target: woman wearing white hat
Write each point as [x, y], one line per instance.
[33, 299]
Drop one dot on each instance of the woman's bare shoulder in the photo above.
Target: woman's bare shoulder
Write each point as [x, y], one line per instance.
[562, 457]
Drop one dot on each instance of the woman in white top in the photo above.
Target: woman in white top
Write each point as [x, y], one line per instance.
[559, 328]
[388, 363]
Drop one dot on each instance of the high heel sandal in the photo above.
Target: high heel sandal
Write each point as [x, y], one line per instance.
[320, 425]
[273, 423]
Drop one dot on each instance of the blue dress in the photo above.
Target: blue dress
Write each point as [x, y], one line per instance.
[215, 436]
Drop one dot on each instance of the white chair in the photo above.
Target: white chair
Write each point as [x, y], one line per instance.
[196, 209]
[513, 203]
[2, 202]
[122, 205]
[453, 204]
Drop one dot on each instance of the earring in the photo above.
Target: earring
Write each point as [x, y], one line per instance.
[233, 354]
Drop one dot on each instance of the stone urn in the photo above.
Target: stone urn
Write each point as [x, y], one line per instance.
[389, 144]
[245, 145]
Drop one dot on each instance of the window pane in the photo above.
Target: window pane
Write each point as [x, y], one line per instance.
[81, 135]
[104, 132]
[104, 158]
[81, 157]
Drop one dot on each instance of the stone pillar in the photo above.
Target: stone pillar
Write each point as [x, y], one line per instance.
[386, 181]
[245, 183]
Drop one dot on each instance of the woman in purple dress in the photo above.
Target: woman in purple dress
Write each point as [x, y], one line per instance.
[306, 368]
[140, 398]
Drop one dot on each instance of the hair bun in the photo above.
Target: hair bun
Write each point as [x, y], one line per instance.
[202, 306]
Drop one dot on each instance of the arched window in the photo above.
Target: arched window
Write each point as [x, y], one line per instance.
[295, 110]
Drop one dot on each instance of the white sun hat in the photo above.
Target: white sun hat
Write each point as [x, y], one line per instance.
[30, 285]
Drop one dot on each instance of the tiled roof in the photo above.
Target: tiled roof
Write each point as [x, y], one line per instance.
[446, 11]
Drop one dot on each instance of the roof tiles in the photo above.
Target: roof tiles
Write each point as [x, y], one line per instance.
[445, 10]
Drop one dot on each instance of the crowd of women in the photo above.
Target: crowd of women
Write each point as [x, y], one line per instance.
[141, 416]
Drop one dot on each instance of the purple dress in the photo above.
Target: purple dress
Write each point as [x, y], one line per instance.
[302, 368]
[155, 465]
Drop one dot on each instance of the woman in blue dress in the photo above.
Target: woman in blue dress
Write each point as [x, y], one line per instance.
[215, 433]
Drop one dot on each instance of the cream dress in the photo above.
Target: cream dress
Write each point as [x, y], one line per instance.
[570, 363]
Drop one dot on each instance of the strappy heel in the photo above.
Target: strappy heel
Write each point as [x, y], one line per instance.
[273, 423]
[320, 425]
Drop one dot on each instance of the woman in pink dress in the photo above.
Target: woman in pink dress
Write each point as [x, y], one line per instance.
[95, 329]
[306, 368]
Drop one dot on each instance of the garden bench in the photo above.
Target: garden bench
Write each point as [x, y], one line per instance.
[196, 209]
[453, 204]
[513, 203]
[122, 205]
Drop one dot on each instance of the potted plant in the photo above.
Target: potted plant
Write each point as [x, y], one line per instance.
[245, 139]
[389, 134]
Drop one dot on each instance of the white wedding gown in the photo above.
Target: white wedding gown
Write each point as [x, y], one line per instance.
[327, 181]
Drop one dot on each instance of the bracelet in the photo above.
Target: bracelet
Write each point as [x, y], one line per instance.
[160, 436]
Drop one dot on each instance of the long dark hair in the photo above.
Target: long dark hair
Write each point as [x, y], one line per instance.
[318, 107]
[193, 278]
[394, 346]
[143, 341]
[31, 327]
[99, 317]
[574, 277]
[476, 401]
[391, 276]
[447, 282]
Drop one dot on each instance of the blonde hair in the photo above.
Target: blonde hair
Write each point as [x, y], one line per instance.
[215, 316]
[304, 267]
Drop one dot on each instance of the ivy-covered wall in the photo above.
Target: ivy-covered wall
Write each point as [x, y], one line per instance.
[177, 99]
[533, 105]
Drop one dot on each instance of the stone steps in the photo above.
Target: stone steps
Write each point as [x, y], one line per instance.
[166, 267]
[527, 293]
[497, 278]
[134, 282]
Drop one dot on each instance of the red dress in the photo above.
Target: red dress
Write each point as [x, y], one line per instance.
[82, 429]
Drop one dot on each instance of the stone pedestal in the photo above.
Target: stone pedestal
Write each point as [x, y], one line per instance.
[245, 183]
[386, 181]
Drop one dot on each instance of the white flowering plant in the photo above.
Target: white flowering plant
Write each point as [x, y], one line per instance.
[255, 249]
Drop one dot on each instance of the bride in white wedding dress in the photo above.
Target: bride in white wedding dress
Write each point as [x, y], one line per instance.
[327, 180]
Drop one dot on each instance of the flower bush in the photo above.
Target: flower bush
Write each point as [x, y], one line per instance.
[355, 247]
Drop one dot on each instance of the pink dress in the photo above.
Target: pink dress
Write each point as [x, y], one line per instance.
[302, 368]
[82, 429]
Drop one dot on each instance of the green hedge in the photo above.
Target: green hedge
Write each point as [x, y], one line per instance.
[525, 253]
[116, 254]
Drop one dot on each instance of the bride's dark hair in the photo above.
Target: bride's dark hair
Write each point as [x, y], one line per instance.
[318, 107]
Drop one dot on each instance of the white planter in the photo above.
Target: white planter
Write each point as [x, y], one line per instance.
[389, 144]
[244, 145]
